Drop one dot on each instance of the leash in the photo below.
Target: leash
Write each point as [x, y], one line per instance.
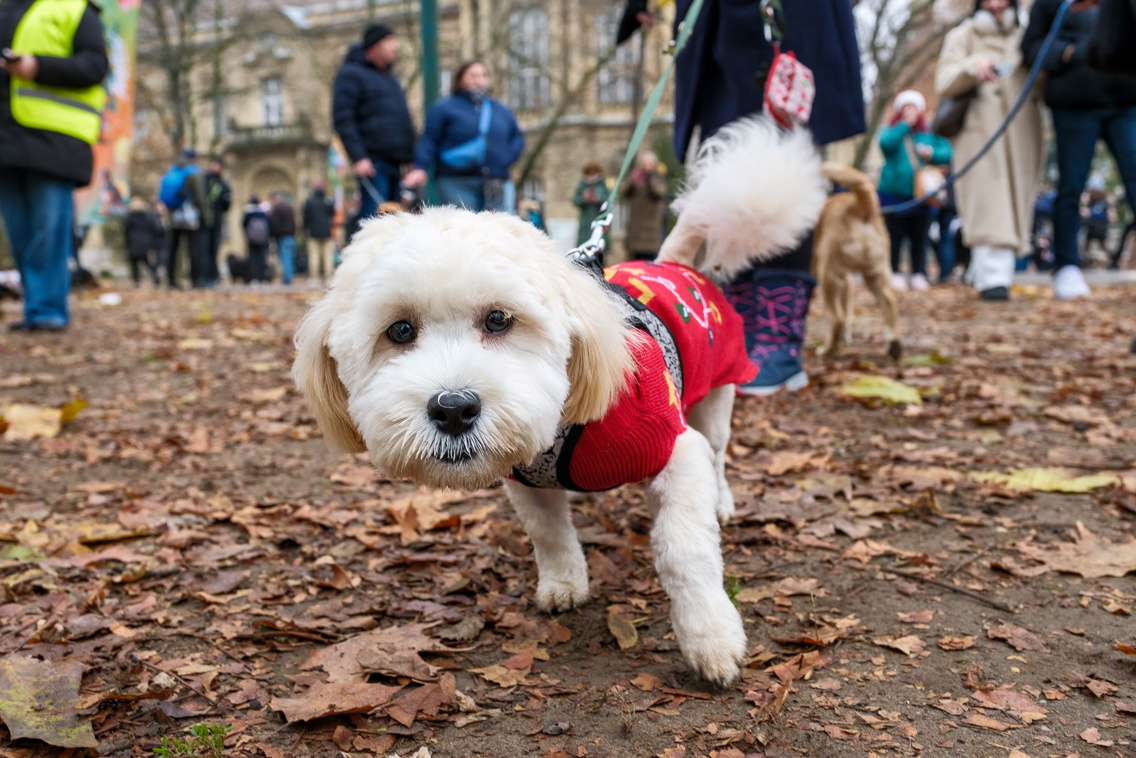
[370, 188]
[588, 253]
[1035, 71]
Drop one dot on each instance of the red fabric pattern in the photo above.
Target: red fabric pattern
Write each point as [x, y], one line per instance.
[635, 439]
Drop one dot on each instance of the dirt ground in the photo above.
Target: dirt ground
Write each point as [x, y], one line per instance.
[188, 546]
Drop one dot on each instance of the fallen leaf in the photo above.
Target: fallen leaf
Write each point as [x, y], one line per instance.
[194, 343]
[393, 651]
[1090, 556]
[1017, 637]
[916, 617]
[786, 461]
[1092, 736]
[28, 422]
[465, 630]
[1047, 480]
[260, 397]
[1126, 648]
[882, 388]
[647, 682]
[786, 587]
[502, 676]
[909, 645]
[956, 643]
[977, 719]
[333, 699]
[622, 629]
[39, 700]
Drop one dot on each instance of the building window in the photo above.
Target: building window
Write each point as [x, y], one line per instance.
[445, 81]
[220, 127]
[272, 102]
[528, 59]
[532, 189]
[616, 80]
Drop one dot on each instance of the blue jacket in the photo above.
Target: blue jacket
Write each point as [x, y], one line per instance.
[370, 113]
[716, 82]
[897, 179]
[454, 120]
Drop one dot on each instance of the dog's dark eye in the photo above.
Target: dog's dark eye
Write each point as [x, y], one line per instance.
[497, 322]
[401, 332]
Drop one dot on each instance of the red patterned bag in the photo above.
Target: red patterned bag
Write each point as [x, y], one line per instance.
[789, 90]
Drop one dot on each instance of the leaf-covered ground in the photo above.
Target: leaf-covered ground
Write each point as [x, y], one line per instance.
[953, 577]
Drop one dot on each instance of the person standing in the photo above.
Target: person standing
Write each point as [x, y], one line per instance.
[645, 195]
[371, 116]
[471, 141]
[183, 193]
[219, 196]
[719, 78]
[995, 199]
[258, 233]
[591, 193]
[51, 101]
[908, 146]
[282, 225]
[1087, 105]
[317, 217]
[144, 236]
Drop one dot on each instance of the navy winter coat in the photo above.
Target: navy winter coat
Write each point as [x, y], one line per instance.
[455, 120]
[370, 113]
[715, 78]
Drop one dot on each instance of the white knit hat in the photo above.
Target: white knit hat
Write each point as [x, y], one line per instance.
[910, 97]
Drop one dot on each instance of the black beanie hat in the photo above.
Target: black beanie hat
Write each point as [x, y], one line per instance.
[376, 33]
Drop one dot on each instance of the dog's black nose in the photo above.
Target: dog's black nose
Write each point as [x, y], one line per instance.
[454, 412]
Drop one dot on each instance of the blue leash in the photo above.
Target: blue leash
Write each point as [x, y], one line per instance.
[1058, 22]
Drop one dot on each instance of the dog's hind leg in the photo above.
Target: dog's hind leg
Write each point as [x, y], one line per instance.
[688, 558]
[712, 419]
[834, 290]
[881, 288]
[562, 571]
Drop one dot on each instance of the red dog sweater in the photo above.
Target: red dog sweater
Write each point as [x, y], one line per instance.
[696, 344]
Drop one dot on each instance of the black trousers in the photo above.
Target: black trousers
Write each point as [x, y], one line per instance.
[136, 265]
[258, 263]
[193, 240]
[914, 229]
[212, 250]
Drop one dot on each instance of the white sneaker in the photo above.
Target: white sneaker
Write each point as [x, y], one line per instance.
[899, 282]
[1069, 284]
[919, 283]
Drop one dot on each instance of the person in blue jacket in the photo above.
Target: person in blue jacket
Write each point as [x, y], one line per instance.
[372, 118]
[908, 145]
[470, 141]
[720, 77]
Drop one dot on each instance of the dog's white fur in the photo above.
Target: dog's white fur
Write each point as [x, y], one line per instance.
[565, 360]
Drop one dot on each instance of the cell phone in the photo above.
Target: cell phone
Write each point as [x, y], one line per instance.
[9, 56]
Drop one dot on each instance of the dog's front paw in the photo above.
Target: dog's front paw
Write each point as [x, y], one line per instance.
[713, 642]
[724, 508]
[895, 349]
[561, 593]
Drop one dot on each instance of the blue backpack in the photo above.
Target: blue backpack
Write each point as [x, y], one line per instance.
[172, 191]
[471, 154]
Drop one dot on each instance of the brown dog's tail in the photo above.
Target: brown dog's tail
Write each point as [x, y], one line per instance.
[858, 183]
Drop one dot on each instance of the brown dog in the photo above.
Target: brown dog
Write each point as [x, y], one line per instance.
[851, 237]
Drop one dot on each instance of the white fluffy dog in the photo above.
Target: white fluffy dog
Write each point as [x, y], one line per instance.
[458, 349]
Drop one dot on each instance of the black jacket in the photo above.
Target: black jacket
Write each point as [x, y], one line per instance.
[370, 113]
[1073, 85]
[57, 155]
[319, 210]
[144, 232]
[282, 221]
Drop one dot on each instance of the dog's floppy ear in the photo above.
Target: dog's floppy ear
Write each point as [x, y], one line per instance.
[315, 375]
[601, 362]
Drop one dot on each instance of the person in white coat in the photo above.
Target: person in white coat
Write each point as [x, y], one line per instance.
[995, 200]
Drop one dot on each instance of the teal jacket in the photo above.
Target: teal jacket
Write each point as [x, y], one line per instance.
[898, 175]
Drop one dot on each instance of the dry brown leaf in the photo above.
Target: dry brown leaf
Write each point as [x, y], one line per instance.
[909, 645]
[393, 651]
[784, 462]
[502, 676]
[786, 587]
[916, 617]
[621, 628]
[1092, 736]
[977, 719]
[333, 699]
[39, 700]
[956, 643]
[1017, 637]
[647, 682]
[1090, 556]
[1126, 648]
[261, 397]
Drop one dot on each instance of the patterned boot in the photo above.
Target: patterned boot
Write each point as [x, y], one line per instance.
[773, 304]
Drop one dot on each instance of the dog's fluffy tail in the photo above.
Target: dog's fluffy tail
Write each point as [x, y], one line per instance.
[858, 183]
[754, 192]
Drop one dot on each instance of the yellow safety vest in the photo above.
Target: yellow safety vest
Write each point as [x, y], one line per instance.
[48, 28]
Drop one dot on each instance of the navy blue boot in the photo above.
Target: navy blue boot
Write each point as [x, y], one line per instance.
[774, 305]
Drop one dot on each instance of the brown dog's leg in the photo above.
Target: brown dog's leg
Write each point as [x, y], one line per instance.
[881, 288]
[834, 289]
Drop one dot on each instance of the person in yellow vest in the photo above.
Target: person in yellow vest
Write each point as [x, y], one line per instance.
[53, 61]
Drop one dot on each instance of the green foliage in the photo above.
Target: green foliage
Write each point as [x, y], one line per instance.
[733, 587]
[205, 741]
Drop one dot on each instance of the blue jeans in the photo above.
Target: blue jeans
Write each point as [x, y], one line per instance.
[286, 247]
[462, 191]
[39, 213]
[945, 247]
[1077, 134]
[383, 182]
